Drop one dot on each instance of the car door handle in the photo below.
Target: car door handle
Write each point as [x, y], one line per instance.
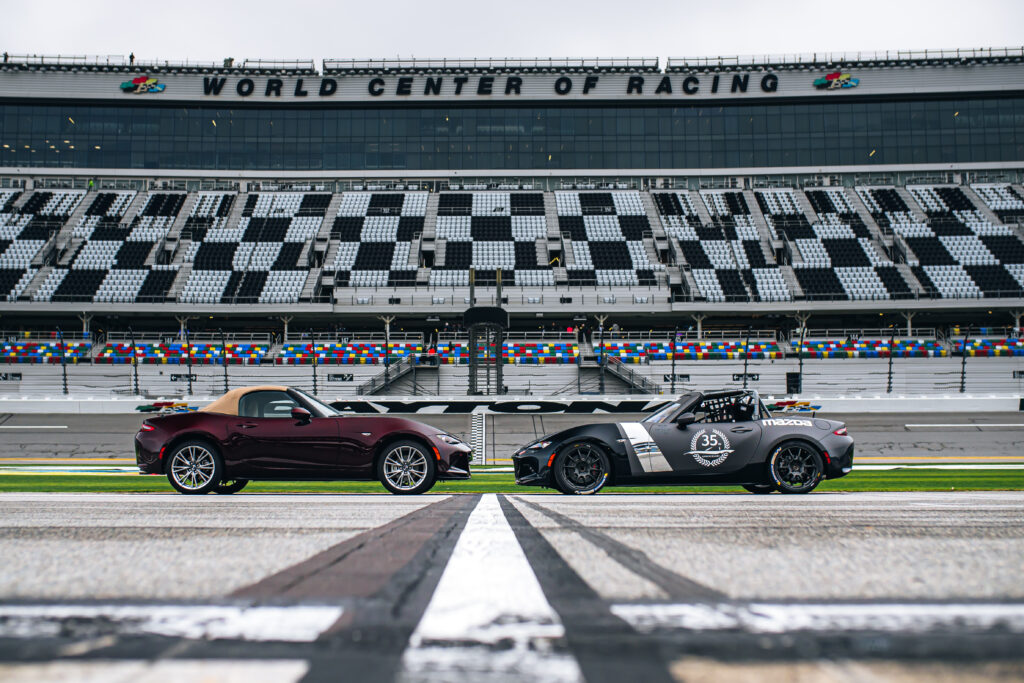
[741, 429]
[247, 425]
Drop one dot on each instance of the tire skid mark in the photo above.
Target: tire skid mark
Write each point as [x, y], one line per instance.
[676, 586]
[604, 645]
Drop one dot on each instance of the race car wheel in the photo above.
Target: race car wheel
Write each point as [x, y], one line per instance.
[230, 486]
[581, 469]
[760, 489]
[406, 468]
[796, 468]
[194, 467]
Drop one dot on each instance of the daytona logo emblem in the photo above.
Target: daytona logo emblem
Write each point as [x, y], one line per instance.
[710, 447]
[786, 422]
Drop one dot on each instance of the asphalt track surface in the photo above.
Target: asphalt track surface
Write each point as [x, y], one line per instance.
[880, 438]
[872, 586]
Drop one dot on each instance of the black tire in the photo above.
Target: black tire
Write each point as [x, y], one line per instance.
[195, 467]
[796, 467]
[759, 489]
[581, 469]
[229, 486]
[406, 468]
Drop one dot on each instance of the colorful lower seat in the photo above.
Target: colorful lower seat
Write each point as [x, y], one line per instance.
[49, 351]
[872, 348]
[642, 351]
[350, 353]
[989, 347]
[515, 352]
[157, 353]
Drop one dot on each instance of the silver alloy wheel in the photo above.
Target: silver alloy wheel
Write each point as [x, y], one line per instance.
[405, 467]
[193, 467]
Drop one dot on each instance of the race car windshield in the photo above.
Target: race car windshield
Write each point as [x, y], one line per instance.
[319, 407]
[661, 415]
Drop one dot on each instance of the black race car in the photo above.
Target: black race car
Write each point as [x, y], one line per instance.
[722, 437]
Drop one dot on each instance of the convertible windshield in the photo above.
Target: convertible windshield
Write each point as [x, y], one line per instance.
[319, 407]
[661, 415]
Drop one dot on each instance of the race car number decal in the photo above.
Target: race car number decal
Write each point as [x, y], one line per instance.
[786, 422]
[710, 447]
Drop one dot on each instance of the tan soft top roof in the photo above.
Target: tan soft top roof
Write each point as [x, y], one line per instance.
[228, 403]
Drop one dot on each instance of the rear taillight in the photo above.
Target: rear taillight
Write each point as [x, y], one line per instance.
[840, 432]
[146, 428]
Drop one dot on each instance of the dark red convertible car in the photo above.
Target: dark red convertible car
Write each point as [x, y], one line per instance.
[282, 433]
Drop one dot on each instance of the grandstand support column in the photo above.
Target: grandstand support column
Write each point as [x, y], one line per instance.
[86, 318]
[183, 323]
[909, 316]
[1017, 315]
[600, 345]
[387, 320]
[699, 318]
[285, 319]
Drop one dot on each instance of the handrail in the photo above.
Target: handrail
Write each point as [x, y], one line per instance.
[505, 64]
[631, 377]
[390, 373]
[874, 333]
[829, 58]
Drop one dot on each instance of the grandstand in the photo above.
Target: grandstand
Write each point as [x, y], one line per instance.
[628, 217]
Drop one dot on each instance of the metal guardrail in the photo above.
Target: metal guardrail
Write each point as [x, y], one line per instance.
[631, 377]
[194, 337]
[502, 64]
[870, 333]
[350, 337]
[815, 58]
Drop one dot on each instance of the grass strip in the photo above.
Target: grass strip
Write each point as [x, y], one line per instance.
[889, 480]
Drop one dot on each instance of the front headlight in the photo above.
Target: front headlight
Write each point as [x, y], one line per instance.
[449, 439]
[538, 446]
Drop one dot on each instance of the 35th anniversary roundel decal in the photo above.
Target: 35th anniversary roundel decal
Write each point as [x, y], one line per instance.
[710, 447]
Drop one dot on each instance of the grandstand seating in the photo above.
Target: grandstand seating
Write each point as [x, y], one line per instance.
[346, 353]
[605, 237]
[24, 233]
[652, 350]
[258, 260]
[726, 258]
[871, 348]
[375, 233]
[44, 351]
[1004, 201]
[514, 352]
[177, 352]
[491, 230]
[987, 347]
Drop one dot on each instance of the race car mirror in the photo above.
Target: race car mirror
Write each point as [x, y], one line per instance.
[301, 414]
[685, 419]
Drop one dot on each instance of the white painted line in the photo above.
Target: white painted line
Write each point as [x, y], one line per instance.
[196, 622]
[961, 425]
[783, 618]
[937, 466]
[488, 617]
[160, 671]
[33, 426]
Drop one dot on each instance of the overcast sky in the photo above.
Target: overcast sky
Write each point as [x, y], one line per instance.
[212, 30]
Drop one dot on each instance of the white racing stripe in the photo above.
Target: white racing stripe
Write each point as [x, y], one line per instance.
[783, 618]
[162, 671]
[961, 425]
[33, 426]
[195, 622]
[488, 616]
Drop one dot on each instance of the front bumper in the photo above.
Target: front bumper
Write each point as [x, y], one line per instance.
[454, 462]
[531, 468]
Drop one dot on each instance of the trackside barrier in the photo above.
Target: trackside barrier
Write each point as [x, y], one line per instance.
[587, 407]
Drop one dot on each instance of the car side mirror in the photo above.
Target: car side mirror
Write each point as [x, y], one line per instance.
[685, 419]
[301, 414]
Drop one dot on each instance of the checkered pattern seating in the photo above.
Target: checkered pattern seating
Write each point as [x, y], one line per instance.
[605, 236]
[374, 233]
[24, 233]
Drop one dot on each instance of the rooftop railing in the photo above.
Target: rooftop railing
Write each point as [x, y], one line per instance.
[491, 64]
[827, 58]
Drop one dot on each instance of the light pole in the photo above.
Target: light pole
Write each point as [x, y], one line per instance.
[188, 360]
[387, 319]
[63, 359]
[135, 360]
[224, 356]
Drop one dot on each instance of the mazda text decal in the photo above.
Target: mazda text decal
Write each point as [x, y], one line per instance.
[786, 422]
